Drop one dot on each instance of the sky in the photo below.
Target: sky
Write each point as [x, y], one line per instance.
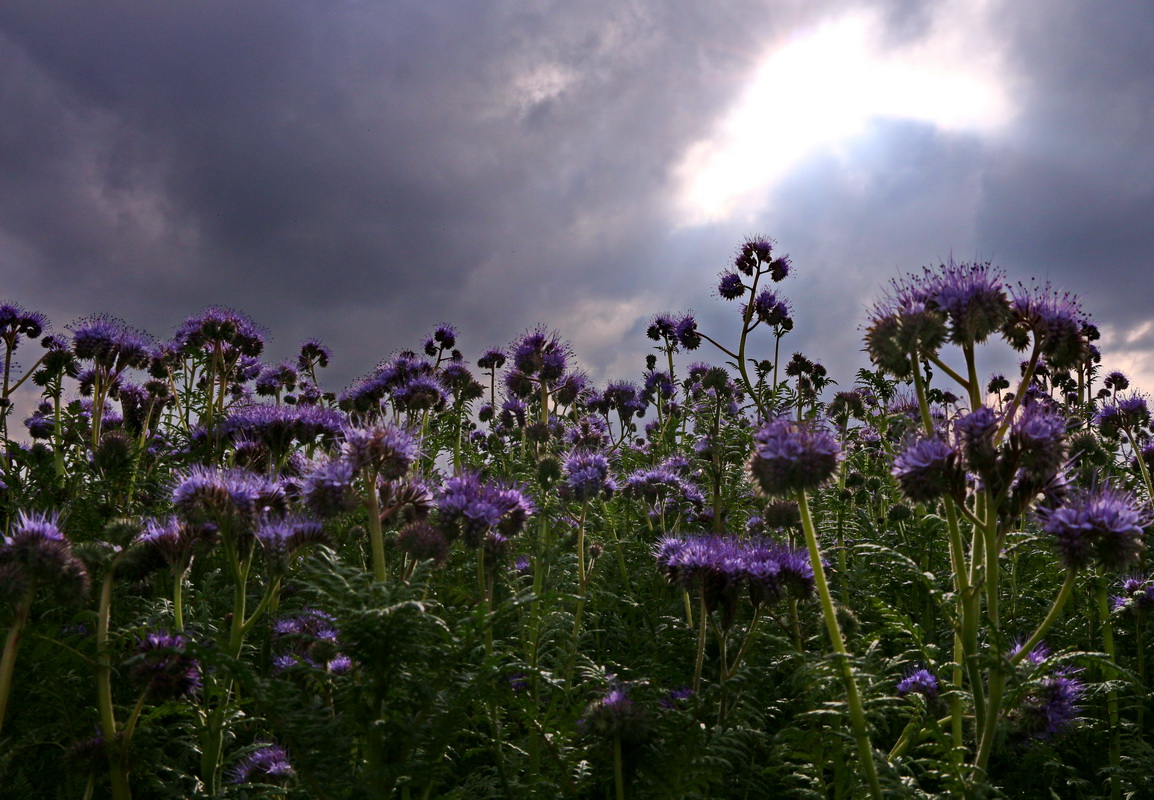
[361, 171]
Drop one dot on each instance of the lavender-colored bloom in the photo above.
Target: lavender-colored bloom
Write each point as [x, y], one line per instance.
[1038, 436]
[789, 457]
[1055, 321]
[171, 540]
[36, 551]
[219, 327]
[419, 393]
[586, 477]
[1137, 594]
[974, 433]
[928, 469]
[267, 765]
[973, 298]
[313, 353]
[921, 682]
[493, 358]
[614, 716]
[385, 450]
[469, 507]
[753, 252]
[1049, 704]
[730, 286]
[662, 326]
[541, 354]
[422, 542]
[687, 334]
[283, 539]
[1125, 413]
[328, 488]
[17, 322]
[1102, 525]
[769, 309]
[232, 500]
[445, 336]
[904, 322]
[163, 666]
[110, 344]
[675, 698]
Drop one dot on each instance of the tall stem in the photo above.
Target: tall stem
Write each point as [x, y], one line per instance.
[857, 713]
[11, 645]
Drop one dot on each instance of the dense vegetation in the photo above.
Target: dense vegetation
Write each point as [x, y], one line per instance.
[495, 579]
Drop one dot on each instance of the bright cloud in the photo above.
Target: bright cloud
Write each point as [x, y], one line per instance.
[827, 84]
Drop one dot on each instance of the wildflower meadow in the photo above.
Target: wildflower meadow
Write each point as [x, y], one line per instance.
[474, 573]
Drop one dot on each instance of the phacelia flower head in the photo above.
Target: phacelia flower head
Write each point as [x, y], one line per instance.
[164, 668]
[268, 764]
[1038, 437]
[1124, 413]
[921, 682]
[614, 715]
[974, 434]
[470, 507]
[313, 353]
[37, 552]
[540, 353]
[386, 450]
[111, 344]
[422, 542]
[586, 477]
[217, 327]
[972, 297]
[928, 469]
[232, 501]
[730, 286]
[1048, 702]
[902, 323]
[1055, 321]
[1102, 526]
[789, 457]
[17, 322]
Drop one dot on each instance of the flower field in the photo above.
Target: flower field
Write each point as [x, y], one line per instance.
[475, 573]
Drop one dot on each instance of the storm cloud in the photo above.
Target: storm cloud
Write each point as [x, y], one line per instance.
[361, 171]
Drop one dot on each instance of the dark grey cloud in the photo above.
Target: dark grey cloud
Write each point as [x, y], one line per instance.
[362, 171]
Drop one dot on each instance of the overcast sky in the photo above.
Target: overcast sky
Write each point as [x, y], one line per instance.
[362, 171]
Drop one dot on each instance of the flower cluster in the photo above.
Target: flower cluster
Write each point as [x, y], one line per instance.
[790, 457]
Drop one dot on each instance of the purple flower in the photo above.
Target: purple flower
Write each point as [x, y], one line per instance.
[232, 500]
[921, 682]
[36, 552]
[283, 539]
[1049, 702]
[1038, 436]
[219, 328]
[928, 469]
[1102, 525]
[385, 450]
[313, 353]
[662, 326]
[268, 764]
[111, 344]
[17, 322]
[1055, 321]
[904, 322]
[328, 488]
[974, 433]
[614, 715]
[541, 353]
[972, 297]
[470, 508]
[790, 457]
[167, 671]
[493, 358]
[1125, 413]
[730, 286]
[422, 542]
[586, 477]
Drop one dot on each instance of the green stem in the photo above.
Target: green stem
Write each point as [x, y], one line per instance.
[11, 645]
[1051, 618]
[1112, 694]
[857, 713]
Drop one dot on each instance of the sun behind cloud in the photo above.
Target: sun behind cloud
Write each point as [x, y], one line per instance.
[826, 84]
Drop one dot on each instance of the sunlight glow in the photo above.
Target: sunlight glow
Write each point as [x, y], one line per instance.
[826, 86]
